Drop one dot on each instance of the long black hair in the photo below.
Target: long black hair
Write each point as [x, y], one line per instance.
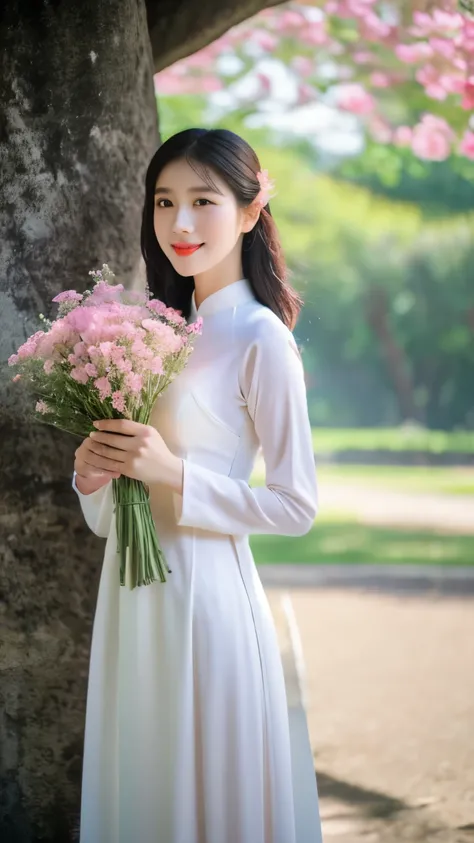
[234, 160]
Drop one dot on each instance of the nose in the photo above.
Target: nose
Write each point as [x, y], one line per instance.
[183, 220]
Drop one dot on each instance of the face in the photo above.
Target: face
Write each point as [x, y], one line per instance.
[189, 213]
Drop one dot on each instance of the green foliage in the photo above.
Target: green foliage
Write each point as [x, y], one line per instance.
[387, 327]
[342, 540]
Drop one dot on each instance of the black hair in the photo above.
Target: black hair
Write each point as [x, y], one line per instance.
[263, 263]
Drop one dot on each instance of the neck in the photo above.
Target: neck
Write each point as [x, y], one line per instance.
[226, 272]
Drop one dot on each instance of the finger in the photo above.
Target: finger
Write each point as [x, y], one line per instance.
[100, 463]
[123, 426]
[103, 450]
[112, 440]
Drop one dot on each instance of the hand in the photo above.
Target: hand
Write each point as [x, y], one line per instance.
[92, 467]
[136, 450]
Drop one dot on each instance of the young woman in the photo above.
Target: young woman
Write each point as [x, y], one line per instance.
[187, 735]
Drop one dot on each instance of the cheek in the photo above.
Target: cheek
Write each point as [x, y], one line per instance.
[222, 224]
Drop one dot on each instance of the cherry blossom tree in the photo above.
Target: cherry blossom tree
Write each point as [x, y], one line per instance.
[406, 70]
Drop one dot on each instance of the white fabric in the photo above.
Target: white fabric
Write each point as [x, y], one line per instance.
[187, 736]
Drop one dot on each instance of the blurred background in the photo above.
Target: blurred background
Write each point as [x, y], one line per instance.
[362, 114]
[358, 111]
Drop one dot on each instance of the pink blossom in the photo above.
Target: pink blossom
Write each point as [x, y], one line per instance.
[156, 366]
[468, 95]
[402, 136]
[373, 28]
[41, 407]
[118, 401]
[104, 387]
[48, 366]
[444, 46]
[412, 53]
[303, 65]
[16, 378]
[124, 365]
[157, 306]
[133, 382]
[380, 80]
[354, 98]
[466, 146]
[195, 327]
[363, 57]
[91, 370]
[315, 34]
[68, 295]
[432, 138]
[79, 374]
[264, 39]
[290, 20]
[429, 77]
[13, 360]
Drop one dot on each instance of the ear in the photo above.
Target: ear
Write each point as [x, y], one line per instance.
[250, 216]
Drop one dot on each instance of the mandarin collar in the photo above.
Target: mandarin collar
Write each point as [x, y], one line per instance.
[230, 296]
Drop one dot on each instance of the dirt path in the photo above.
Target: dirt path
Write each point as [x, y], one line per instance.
[390, 683]
[446, 513]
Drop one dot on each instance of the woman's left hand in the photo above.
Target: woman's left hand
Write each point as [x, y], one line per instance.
[137, 451]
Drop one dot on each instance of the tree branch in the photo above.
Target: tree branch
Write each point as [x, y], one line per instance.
[180, 27]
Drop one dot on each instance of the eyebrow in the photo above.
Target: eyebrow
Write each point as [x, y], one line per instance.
[202, 189]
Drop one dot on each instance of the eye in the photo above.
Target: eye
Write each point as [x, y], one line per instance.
[206, 201]
[160, 205]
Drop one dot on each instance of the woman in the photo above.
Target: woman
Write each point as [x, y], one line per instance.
[187, 737]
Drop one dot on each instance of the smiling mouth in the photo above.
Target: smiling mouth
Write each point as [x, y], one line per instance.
[185, 249]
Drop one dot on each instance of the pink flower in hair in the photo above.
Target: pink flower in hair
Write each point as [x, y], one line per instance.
[267, 188]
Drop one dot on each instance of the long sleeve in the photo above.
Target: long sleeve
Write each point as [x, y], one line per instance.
[272, 383]
[97, 508]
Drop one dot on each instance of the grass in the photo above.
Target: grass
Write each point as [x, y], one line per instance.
[447, 481]
[334, 440]
[337, 537]
[432, 480]
[351, 543]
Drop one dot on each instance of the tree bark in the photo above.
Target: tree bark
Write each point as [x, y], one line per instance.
[78, 126]
[178, 27]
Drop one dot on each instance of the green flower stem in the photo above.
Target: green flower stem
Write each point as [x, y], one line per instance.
[138, 545]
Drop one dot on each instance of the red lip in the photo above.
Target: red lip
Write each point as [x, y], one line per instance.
[184, 249]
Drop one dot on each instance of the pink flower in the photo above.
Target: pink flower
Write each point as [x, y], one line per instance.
[432, 139]
[429, 77]
[68, 295]
[41, 407]
[354, 98]
[380, 80]
[412, 53]
[13, 359]
[91, 370]
[267, 188]
[79, 374]
[466, 146]
[16, 378]
[402, 136]
[48, 366]
[133, 382]
[118, 401]
[156, 366]
[104, 387]
[195, 327]
[468, 94]
[303, 65]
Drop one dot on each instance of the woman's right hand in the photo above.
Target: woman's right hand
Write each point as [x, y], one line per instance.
[91, 466]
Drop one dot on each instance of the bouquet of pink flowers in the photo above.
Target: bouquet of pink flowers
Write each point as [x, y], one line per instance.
[110, 354]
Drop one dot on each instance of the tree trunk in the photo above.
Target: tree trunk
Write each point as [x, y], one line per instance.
[395, 357]
[78, 126]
